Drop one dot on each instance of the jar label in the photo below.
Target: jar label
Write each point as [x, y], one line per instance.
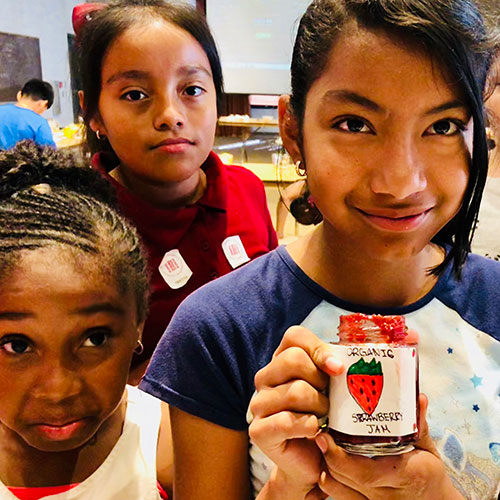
[377, 393]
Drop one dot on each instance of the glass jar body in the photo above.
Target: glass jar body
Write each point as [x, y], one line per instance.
[374, 407]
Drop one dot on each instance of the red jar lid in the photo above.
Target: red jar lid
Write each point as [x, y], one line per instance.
[357, 326]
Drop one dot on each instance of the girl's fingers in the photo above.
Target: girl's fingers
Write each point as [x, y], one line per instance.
[425, 441]
[294, 363]
[316, 494]
[320, 352]
[336, 489]
[272, 432]
[296, 396]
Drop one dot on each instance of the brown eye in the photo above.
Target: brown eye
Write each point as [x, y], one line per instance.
[15, 345]
[194, 91]
[97, 338]
[134, 96]
[444, 127]
[353, 125]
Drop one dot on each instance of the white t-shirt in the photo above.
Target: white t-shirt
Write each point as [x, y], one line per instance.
[129, 471]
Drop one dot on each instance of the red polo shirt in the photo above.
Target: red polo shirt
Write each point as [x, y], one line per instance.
[234, 204]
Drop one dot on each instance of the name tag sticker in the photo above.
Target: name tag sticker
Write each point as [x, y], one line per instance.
[235, 251]
[174, 269]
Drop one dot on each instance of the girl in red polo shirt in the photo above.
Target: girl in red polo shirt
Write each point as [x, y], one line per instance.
[73, 299]
[151, 78]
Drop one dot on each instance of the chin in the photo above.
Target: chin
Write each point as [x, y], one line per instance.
[392, 251]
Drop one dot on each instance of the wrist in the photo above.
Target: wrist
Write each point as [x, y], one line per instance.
[280, 486]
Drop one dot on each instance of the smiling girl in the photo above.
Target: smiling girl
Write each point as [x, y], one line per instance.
[151, 81]
[73, 299]
[386, 118]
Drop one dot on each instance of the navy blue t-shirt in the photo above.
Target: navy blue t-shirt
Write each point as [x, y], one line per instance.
[223, 333]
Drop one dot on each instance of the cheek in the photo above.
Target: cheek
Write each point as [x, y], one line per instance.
[14, 391]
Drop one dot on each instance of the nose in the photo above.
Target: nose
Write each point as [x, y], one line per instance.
[57, 383]
[400, 170]
[168, 114]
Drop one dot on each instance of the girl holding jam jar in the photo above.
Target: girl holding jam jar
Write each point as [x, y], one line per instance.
[386, 119]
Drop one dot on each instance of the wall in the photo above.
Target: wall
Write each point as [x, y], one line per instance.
[50, 21]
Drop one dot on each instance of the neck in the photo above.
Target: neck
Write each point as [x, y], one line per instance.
[24, 466]
[377, 282]
[164, 195]
[26, 104]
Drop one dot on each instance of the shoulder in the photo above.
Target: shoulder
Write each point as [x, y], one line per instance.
[476, 295]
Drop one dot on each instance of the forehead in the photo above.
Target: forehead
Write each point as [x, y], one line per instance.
[154, 44]
[388, 68]
[59, 270]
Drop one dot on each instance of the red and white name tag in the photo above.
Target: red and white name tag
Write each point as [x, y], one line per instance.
[174, 269]
[234, 251]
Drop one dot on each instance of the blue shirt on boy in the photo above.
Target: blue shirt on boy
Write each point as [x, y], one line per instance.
[18, 123]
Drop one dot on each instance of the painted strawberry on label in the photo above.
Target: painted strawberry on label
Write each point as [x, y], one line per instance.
[365, 382]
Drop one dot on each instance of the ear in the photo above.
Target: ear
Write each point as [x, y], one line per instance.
[95, 123]
[81, 99]
[19, 96]
[289, 128]
[139, 329]
[42, 106]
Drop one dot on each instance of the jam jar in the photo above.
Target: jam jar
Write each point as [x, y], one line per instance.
[374, 407]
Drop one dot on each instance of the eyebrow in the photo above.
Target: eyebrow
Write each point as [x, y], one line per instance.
[15, 315]
[348, 96]
[104, 307]
[132, 74]
[135, 74]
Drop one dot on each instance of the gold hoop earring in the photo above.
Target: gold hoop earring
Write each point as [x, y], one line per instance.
[299, 169]
[140, 347]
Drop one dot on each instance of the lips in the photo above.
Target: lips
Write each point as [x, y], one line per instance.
[174, 145]
[398, 220]
[60, 432]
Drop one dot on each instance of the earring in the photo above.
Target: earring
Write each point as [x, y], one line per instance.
[301, 171]
[98, 134]
[139, 348]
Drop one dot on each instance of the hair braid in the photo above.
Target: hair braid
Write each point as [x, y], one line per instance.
[77, 210]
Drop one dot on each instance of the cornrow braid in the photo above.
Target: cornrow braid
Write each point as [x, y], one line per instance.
[76, 208]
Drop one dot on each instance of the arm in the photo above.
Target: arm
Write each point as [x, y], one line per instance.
[165, 452]
[286, 409]
[211, 462]
[44, 135]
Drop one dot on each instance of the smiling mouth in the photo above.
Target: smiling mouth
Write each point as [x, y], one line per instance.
[396, 224]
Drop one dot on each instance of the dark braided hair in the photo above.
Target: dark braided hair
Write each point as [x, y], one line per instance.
[46, 199]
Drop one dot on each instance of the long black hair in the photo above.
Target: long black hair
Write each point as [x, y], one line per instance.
[106, 24]
[452, 31]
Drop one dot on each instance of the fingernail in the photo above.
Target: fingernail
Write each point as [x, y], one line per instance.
[334, 365]
[321, 442]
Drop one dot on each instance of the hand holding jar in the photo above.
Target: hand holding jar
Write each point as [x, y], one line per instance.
[289, 401]
[418, 474]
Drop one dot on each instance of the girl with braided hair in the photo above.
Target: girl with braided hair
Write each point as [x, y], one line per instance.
[73, 300]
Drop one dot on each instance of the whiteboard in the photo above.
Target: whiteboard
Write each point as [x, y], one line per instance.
[255, 40]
